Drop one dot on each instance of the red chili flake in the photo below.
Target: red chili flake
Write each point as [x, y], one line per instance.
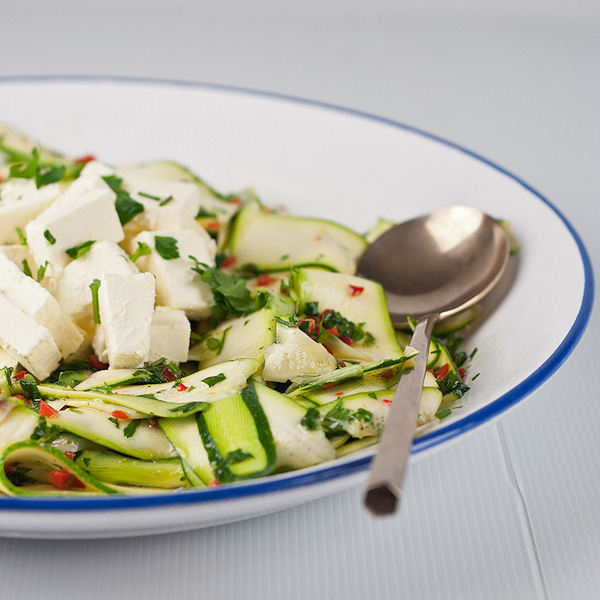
[182, 387]
[229, 261]
[355, 290]
[313, 327]
[318, 238]
[387, 401]
[330, 385]
[214, 483]
[153, 424]
[347, 340]
[461, 373]
[11, 468]
[21, 397]
[47, 411]
[119, 414]
[20, 375]
[235, 200]
[212, 226]
[168, 374]
[440, 373]
[69, 454]
[341, 363]
[387, 374]
[333, 330]
[339, 394]
[64, 479]
[82, 160]
[264, 279]
[96, 364]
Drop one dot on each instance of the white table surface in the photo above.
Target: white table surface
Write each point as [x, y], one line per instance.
[510, 512]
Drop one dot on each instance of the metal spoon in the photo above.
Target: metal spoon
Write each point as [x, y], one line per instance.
[430, 267]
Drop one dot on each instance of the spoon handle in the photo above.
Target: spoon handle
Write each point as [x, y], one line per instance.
[389, 465]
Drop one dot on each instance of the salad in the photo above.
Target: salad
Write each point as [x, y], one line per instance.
[156, 334]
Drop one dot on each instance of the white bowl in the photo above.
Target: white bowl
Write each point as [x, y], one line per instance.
[320, 161]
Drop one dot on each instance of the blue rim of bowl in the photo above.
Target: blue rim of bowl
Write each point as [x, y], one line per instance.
[315, 476]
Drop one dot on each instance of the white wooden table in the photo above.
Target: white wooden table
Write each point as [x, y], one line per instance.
[511, 511]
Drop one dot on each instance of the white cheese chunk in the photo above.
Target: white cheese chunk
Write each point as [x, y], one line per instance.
[72, 286]
[126, 307]
[177, 286]
[38, 303]
[21, 201]
[17, 254]
[170, 335]
[26, 341]
[7, 360]
[96, 167]
[86, 211]
[167, 204]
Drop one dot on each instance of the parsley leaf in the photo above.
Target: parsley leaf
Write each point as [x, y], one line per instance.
[78, 251]
[127, 207]
[95, 286]
[130, 429]
[142, 250]
[166, 247]
[51, 239]
[210, 381]
[229, 292]
[43, 174]
[311, 420]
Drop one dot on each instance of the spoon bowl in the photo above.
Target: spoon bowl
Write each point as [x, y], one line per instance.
[431, 267]
[442, 262]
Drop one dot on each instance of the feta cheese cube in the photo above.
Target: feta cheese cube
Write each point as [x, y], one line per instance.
[126, 305]
[72, 286]
[16, 253]
[6, 360]
[39, 304]
[85, 212]
[26, 341]
[21, 201]
[167, 204]
[170, 335]
[177, 286]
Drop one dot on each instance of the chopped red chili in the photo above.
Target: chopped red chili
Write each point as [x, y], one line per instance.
[212, 226]
[182, 388]
[47, 411]
[387, 374]
[228, 261]
[153, 424]
[347, 340]
[387, 401]
[168, 374]
[461, 373]
[440, 373]
[264, 279]
[333, 330]
[96, 363]
[82, 160]
[355, 290]
[330, 385]
[20, 375]
[64, 479]
[21, 397]
[119, 414]
[69, 454]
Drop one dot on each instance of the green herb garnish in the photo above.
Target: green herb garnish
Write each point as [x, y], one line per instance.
[51, 239]
[95, 286]
[22, 238]
[166, 247]
[78, 251]
[127, 207]
[210, 381]
[130, 429]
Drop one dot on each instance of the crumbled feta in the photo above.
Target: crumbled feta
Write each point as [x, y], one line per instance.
[177, 286]
[86, 211]
[26, 341]
[72, 286]
[126, 305]
[170, 335]
[21, 201]
[35, 301]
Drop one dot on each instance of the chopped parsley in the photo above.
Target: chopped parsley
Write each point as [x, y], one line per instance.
[51, 239]
[142, 250]
[26, 268]
[130, 429]
[95, 286]
[127, 207]
[210, 381]
[43, 174]
[41, 271]
[230, 293]
[311, 420]
[78, 251]
[149, 196]
[203, 213]
[166, 247]
[115, 421]
[22, 238]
